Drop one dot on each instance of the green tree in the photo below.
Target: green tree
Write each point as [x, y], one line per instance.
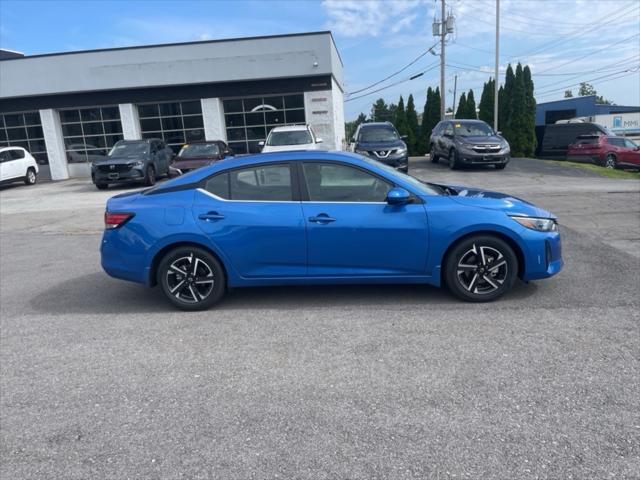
[350, 127]
[517, 134]
[532, 140]
[461, 111]
[380, 111]
[486, 102]
[505, 101]
[412, 127]
[430, 118]
[471, 106]
[568, 94]
[586, 89]
[400, 120]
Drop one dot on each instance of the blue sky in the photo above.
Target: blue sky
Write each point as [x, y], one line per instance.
[564, 41]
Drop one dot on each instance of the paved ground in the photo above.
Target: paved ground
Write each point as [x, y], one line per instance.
[101, 379]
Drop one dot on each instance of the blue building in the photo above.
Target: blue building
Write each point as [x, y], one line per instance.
[567, 108]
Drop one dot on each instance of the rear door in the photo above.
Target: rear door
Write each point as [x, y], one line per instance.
[352, 231]
[12, 160]
[254, 217]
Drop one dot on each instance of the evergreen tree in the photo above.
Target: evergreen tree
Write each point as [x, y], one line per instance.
[400, 118]
[486, 102]
[380, 111]
[412, 127]
[423, 141]
[531, 112]
[505, 103]
[351, 127]
[517, 134]
[471, 106]
[461, 111]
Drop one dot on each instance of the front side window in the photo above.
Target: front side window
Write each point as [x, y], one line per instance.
[630, 144]
[378, 134]
[294, 137]
[331, 182]
[266, 183]
[448, 129]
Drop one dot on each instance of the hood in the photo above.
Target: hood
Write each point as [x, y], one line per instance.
[477, 197]
[480, 140]
[381, 145]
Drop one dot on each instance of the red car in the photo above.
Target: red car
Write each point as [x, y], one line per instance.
[198, 154]
[608, 151]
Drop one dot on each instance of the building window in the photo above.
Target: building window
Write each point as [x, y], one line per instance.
[24, 130]
[177, 123]
[249, 120]
[89, 133]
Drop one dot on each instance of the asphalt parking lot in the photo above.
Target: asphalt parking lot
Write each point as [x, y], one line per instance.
[102, 379]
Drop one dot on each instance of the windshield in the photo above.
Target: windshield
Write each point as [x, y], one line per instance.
[129, 149]
[473, 129]
[199, 150]
[378, 134]
[293, 137]
[420, 186]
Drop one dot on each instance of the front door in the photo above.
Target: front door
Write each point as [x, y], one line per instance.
[352, 231]
[250, 214]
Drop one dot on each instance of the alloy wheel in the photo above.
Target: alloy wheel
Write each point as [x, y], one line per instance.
[190, 279]
[610, 161]
[31, 177]
[482, 269]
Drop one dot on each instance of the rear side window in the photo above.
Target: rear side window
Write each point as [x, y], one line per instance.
[5, 156]
[17, 154]
[267, 183]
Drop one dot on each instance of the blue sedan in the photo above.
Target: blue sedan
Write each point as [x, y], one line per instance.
[300, 218]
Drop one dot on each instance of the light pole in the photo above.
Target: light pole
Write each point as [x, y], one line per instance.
[497, 78]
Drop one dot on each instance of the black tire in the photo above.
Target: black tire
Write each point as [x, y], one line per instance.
[453, 159]
[465, 271]
[432, 154]
[500, 166]
[610, 161]
[102, 186]
[31, 177]
[150, 176]
[404, 170]
[191, 292]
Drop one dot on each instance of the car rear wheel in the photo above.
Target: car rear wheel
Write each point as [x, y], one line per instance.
[30, 178]
[150, 177]
[191, 278]
[432, 154]
[610, 161]
[453, 159]
[481, 269]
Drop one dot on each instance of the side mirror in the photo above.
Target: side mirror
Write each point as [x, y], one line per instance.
[261, 143]
[398, 196]
[499, 133]
[404, 137]
[318, 140]
[228, 153]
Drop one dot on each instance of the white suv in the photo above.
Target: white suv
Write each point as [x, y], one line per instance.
[294, 137]
[16, 164]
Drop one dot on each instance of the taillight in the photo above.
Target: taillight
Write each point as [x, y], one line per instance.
[115, 220]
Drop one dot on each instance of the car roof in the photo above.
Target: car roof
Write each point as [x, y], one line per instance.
[376, 124]
[290, 128]
[12, 148]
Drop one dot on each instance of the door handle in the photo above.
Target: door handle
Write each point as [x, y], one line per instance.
[322, 218]
[210, 216]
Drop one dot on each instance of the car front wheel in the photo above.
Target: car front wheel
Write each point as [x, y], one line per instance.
[453, 159]
[432, 154]
[191, 278]
[610, 161]
[150, 177]
[481, 269]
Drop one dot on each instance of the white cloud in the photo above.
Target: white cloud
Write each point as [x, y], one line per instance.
[354, 18]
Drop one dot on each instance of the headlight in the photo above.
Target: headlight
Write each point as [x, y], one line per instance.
[539, 224]
[401, 151]
[138, 164]
[362, 152]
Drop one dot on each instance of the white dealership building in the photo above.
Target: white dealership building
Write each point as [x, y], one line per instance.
[67, 108]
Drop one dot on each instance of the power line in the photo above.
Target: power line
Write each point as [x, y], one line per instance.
[393, 84]
[543, 92]
[395, 73]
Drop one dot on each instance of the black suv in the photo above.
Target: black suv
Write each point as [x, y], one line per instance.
[132, 161]
[380, 141]
[468, 142]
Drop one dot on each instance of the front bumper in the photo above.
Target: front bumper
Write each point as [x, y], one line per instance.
[399, 163]
[469, 157]
[133, 174]
[543, 254]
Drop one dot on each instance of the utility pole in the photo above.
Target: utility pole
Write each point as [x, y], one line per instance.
[443, 34]
[497, 77]
[455, 87]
